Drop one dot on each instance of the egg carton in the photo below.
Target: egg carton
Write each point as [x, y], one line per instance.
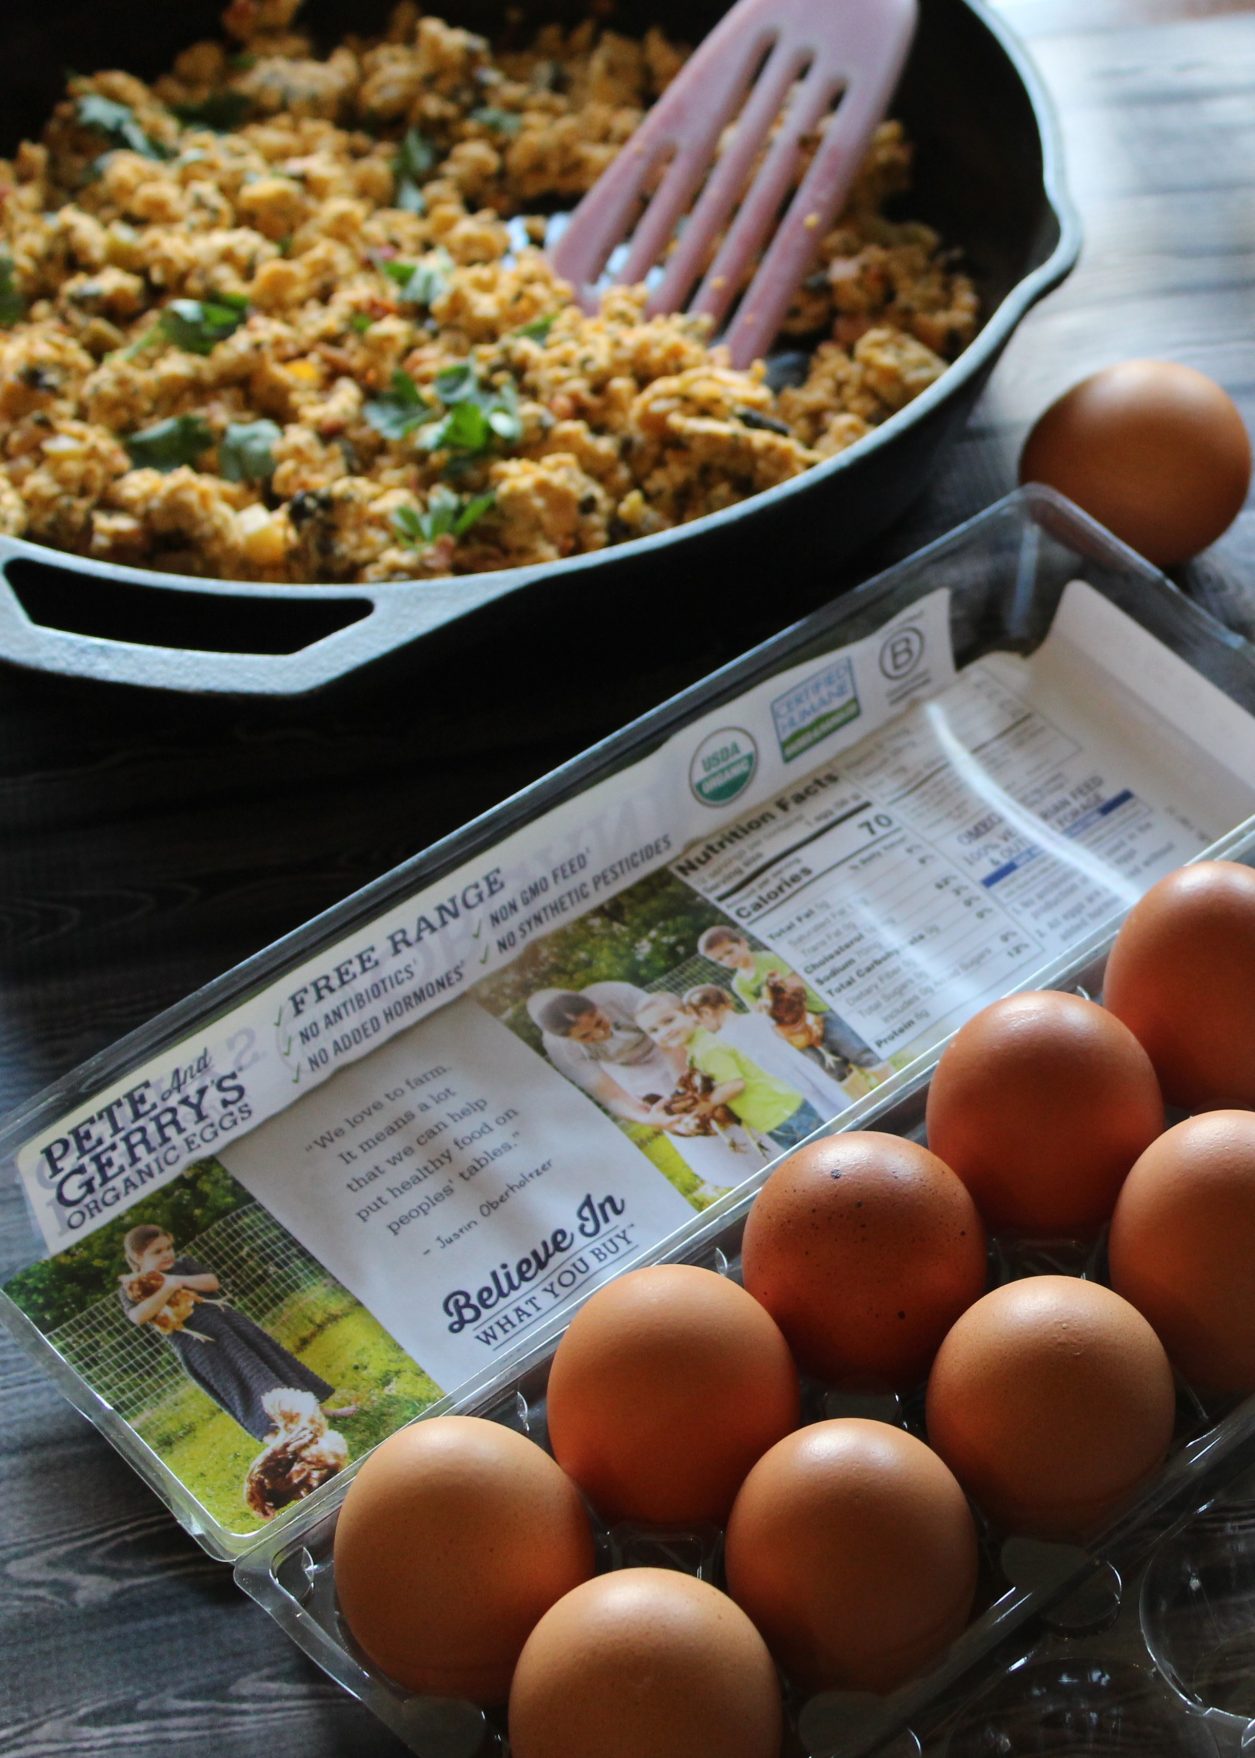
[1140, 1642]
[1006, 572]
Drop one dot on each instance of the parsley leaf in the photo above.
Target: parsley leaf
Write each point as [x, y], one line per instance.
[464, 429]
[415, 159]
[539, 328]
[12, 305]
[200, 324]
[167, 444]
[117, 123]
[476, 415]
[409, 525]
[245, 451]
[361, 321]
[396, 414]
[457, 384]
[472, 512]
[429, 281]
[142, 343]
[503, 413]
[222, 111]
[421, 283]
[447, 515]
[500, 121]
[473, 414]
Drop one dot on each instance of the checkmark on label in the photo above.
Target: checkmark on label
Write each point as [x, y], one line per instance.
[477, 931]
[483, 957]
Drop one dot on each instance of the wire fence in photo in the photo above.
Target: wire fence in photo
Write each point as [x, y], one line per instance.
[695, 973]
[261, 1267]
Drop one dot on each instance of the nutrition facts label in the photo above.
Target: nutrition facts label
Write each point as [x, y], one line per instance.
[945, 859]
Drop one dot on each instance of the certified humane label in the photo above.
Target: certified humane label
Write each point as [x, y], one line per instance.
[815, 707]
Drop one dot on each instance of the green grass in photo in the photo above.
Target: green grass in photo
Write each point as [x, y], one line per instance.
[336, 1337]
[663, 1153]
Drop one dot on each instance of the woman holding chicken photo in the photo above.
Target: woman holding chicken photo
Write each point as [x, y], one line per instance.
[228, 1356]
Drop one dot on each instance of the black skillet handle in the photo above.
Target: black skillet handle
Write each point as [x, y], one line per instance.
[83, 619]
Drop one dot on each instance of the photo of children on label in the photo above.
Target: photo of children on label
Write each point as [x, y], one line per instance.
[231, 1351]
[720, 1012]
[738, 1085]
[595, 1038]
[707, 1048]
[763, 980]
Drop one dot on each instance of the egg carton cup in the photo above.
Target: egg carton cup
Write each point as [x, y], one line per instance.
[1141, 1641]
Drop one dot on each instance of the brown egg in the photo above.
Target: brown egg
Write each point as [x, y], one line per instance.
[1051, 1400]
[853, 1549]
[1182, 1247]
[1181, 976]
[1041, 1103]
[1153, 450]
[455, 1537]
[665, 1389]
[645, 1663]
[864, 1248]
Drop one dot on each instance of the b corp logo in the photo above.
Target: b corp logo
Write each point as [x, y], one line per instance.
[901, 653]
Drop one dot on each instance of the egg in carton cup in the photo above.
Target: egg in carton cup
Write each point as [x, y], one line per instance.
[574, 1040]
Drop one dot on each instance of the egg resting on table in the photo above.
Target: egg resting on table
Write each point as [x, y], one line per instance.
[1051, 1400]
[1155, 451]
[1041, 1103]
[645, 1663]
[853, 1549]
[864, 1248]
[1182, 1247]
[1181, 975]
[455, 1537]
[666, 1387]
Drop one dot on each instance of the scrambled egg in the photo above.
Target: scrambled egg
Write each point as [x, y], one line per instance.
[280, 316]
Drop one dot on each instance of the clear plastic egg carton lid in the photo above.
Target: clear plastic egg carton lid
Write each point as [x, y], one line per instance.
[949, 785]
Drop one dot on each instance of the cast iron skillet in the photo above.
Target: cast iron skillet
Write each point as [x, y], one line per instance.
[989, 177]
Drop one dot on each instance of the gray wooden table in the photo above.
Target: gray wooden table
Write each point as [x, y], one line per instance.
[147, 844]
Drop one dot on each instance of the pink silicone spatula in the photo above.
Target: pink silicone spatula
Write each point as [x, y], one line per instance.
[800, 56]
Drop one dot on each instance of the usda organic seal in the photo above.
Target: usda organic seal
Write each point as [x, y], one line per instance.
[723, 766]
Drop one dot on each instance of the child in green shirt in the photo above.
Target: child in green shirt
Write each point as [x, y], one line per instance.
[768, 1106]
[841, 1044]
